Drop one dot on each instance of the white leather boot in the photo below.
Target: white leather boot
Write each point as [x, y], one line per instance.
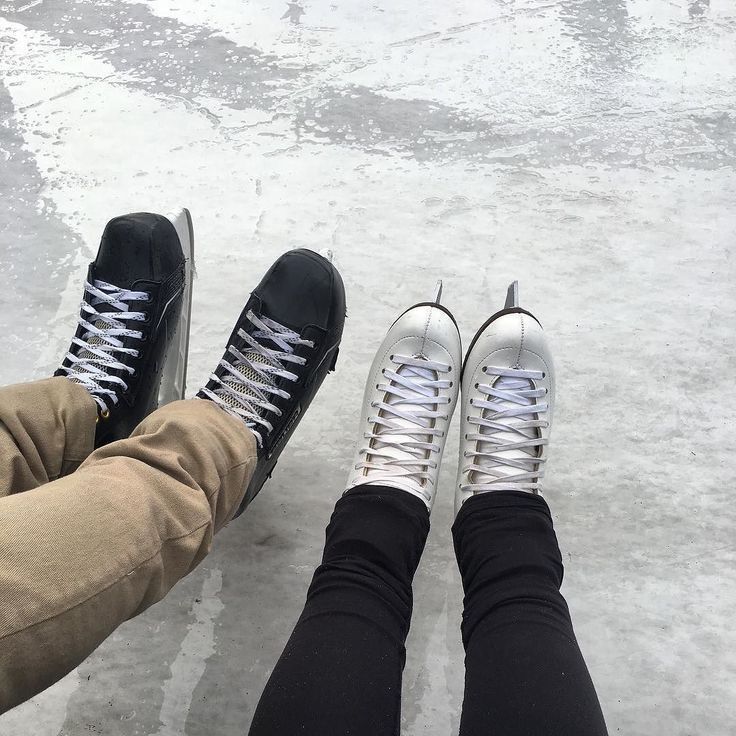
[507, 399]
[409, 399]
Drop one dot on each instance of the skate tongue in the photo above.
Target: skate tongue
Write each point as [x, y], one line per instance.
[257, 359]
[501, 437]
[395, 440]
[101, 324]
[244, 389]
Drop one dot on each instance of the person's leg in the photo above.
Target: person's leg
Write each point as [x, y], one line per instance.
[82, 554]
[525, 675]
[340, 672]
[82, 551]
[47, 428]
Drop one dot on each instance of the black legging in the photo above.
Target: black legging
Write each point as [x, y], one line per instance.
[340, 672]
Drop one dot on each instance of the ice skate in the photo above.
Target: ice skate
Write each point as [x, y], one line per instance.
[507, 400]
[282, 347]
[132, 336]
[409, 399]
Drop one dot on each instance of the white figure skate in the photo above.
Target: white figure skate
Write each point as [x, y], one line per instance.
[409, 399]
[507, 401]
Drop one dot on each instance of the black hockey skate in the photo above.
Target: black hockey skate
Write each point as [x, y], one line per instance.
[131, 344]
[282, 347]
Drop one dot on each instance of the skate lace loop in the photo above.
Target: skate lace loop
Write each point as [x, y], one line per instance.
[96, 353]
[510, 420]
[249, 381]
[403, 433]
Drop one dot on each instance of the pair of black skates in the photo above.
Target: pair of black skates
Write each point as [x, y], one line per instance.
[132, 341]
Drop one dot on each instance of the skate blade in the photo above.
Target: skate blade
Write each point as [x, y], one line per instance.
[174, 377]
[512, 296]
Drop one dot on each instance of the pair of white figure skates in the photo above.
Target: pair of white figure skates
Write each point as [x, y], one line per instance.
[506, 391]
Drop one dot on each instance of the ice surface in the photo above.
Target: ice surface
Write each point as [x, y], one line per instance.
[584, 147]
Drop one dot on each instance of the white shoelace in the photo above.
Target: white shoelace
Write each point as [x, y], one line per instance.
[101, 341]
[402, 441]
[246, 389]
[508, 453]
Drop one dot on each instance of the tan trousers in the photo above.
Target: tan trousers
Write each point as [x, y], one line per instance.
[89, 539]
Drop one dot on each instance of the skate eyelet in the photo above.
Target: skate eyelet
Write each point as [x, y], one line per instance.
[105, 414]
[544, 375]
[477, 385]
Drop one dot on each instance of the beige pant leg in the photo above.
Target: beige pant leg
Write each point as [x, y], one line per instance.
[47, 428]
[82, 554]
